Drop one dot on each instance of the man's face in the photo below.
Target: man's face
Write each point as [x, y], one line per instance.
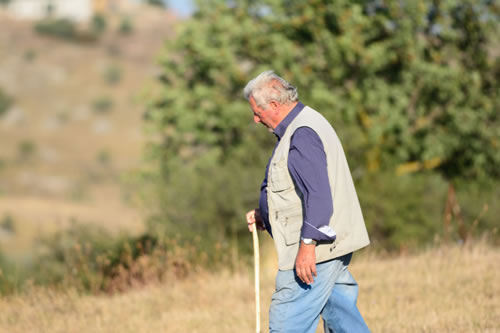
[261, 115]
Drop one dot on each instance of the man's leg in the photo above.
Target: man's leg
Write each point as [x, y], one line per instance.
[341, 314]
[295, 306]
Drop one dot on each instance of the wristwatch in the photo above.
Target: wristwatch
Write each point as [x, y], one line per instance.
[309, 241]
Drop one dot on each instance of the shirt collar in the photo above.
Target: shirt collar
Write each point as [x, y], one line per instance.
[279, 131]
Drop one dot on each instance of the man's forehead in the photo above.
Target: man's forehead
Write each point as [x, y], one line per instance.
[252, 102]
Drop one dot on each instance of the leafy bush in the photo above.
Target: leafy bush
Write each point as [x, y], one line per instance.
[113, 74]
[8, 223]
[102, 104]
[63, 116]
[60, 28]
[98, 24]
[10, 278]
[26, 149]
[30, 55]
[65, 29]
[88, 258]
[406, 212]
[103, 157]
[157, 3]
[402, 212]
[5, 102]
[126, 27]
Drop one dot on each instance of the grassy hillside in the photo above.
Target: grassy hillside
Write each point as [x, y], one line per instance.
[74, 127]
[448, 289]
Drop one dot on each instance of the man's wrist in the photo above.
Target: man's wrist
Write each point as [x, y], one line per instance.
[308, 241]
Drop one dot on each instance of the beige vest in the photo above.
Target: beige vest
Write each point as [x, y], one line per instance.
[285, 200]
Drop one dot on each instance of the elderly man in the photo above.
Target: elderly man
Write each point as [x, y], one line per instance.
[309, 205]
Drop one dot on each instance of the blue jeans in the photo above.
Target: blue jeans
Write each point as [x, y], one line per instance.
[296, 307]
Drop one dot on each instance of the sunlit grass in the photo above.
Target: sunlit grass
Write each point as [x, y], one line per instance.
[446, 289]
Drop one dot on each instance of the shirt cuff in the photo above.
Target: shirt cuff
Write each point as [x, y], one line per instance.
[323, 233]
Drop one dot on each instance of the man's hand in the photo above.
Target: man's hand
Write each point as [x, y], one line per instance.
[305, 264]
[253, 217]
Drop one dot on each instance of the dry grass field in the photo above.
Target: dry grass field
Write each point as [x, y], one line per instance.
[447, 289]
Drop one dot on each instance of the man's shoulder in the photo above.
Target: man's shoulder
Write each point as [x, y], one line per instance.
[304, 132]
[306, 136]
[309, 117]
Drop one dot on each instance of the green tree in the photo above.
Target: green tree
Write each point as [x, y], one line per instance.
[408, 86]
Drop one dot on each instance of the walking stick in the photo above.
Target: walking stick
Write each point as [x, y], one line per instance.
[256, 270]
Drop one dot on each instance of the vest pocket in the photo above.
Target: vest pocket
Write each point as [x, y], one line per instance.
[279, 178]
[292, 221]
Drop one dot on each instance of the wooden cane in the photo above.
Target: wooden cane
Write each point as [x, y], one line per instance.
[257, 273]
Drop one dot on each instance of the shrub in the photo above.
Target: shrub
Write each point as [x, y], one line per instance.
[26, 149]
[8, 223]
[402, 212]
[65, 29]
[113, 74]
[5, 102]
[98, 24]
[126, 27]
[60, 28]
[88, 258]
[10, 279]
[406, 212]
[30, 55]
[102, 104]
[158, 3]
[63, 116]
[103, 157]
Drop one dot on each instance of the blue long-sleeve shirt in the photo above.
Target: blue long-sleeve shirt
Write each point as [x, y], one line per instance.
[308, 168]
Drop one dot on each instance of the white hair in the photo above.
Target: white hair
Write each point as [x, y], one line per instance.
[268, 86]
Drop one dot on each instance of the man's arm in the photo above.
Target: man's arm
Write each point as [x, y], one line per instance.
[308, 167]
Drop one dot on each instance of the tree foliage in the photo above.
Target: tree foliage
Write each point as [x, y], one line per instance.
[408, 85]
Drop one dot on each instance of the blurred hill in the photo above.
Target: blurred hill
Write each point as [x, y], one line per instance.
[74, 125]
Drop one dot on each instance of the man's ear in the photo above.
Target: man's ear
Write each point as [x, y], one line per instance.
[274, 105]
